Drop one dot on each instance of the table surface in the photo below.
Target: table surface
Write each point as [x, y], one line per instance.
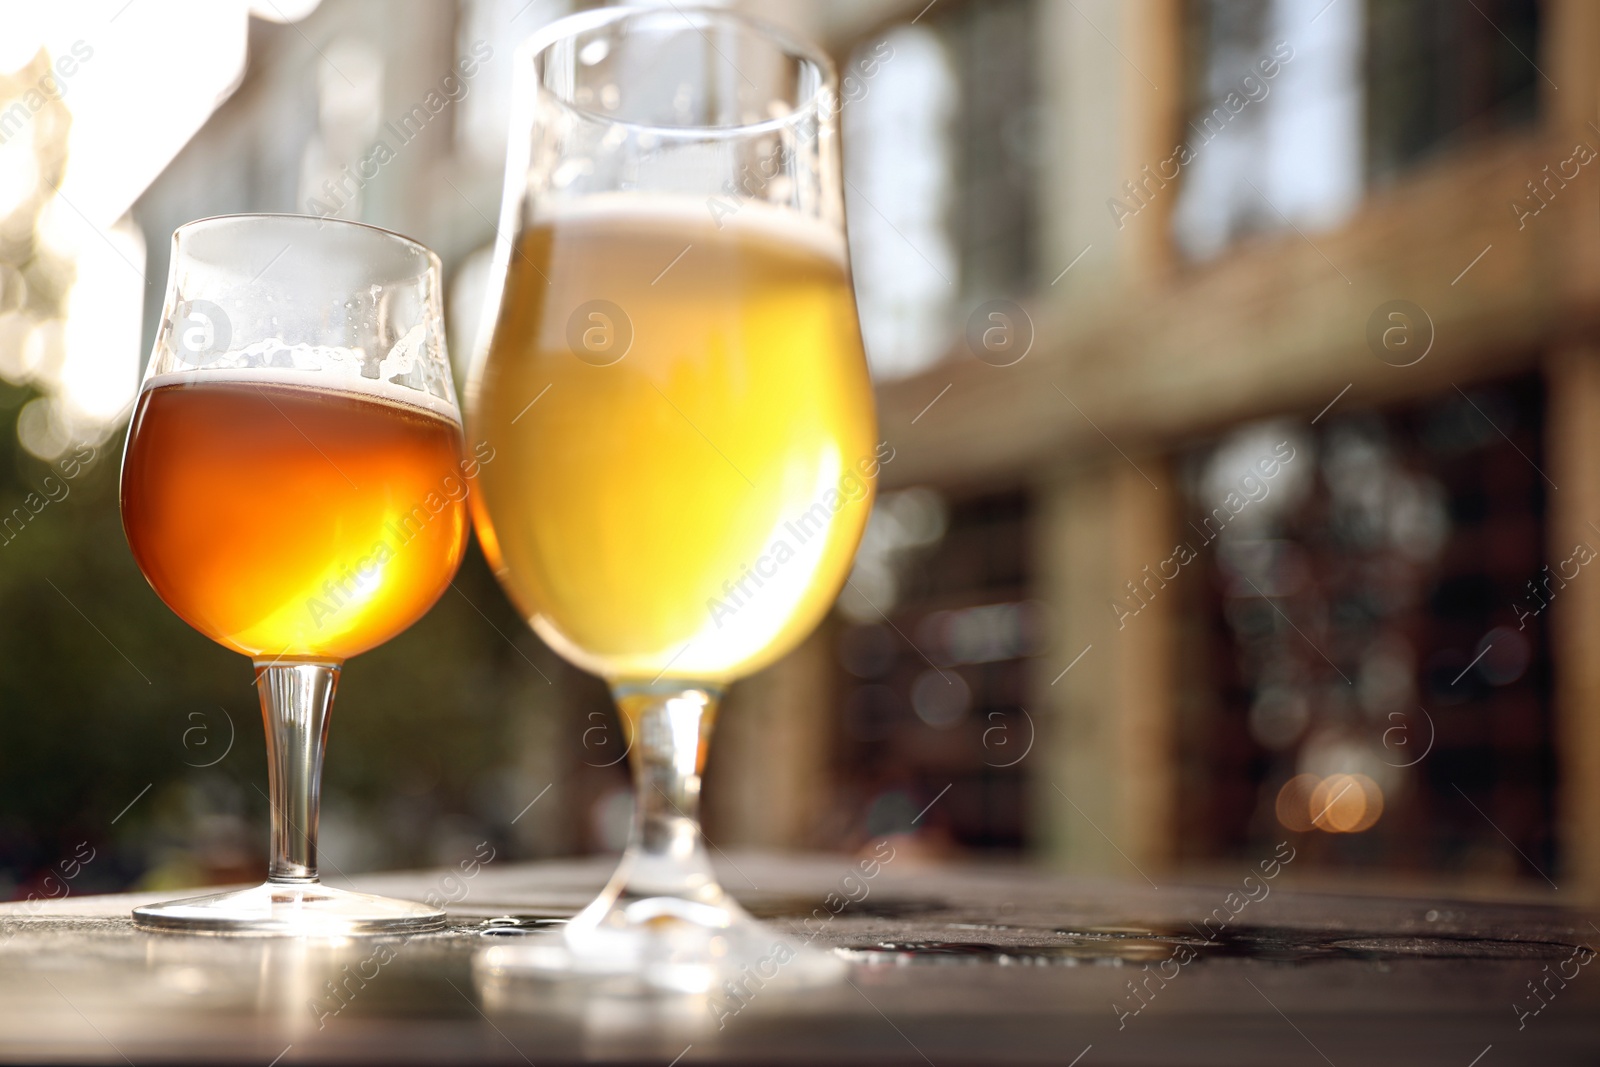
[950, 965]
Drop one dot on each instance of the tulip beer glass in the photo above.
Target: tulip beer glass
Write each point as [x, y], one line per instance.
[677, 395]
[294, 489]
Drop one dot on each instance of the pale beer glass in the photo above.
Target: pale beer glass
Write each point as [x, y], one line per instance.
[294, 488]
[674, 385]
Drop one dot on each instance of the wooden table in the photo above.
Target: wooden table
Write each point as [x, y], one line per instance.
[951, 966]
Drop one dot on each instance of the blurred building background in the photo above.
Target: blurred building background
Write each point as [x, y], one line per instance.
[1239, 361]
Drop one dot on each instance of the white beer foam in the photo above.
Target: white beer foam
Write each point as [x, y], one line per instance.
[321, 368]
[715, 215]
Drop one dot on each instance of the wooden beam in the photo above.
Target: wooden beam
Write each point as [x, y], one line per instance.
[768, 775]
[1572, 453]
[1153, 89]
[1279, 324]
[1104, 783]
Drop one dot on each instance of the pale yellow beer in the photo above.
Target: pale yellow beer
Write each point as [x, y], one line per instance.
[684, 433]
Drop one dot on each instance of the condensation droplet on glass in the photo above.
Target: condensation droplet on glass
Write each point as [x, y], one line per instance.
[610, 97]
[594, 52]
[584, 95]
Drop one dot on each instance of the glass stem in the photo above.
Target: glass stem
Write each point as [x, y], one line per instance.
[669, 729]
[295, 701]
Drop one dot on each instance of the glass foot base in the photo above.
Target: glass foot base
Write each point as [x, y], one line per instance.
[666, 944]
[289, 910]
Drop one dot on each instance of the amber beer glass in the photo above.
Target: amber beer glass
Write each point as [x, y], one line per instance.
[294, 488]
[675, 389]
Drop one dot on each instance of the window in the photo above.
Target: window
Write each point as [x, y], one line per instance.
[933, 688]
[1375, 611]
[1273, 126]
[940, 165]
[1295, 106]
[1440, 72]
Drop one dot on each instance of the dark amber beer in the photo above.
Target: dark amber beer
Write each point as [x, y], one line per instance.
[286, 521]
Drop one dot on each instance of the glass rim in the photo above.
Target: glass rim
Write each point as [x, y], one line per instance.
[295, 218]
[569, 26]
